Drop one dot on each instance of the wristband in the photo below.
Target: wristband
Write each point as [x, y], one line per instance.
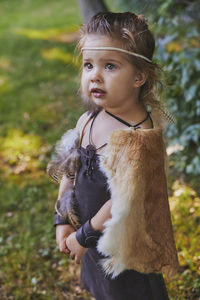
[59, 221]
[87, 236]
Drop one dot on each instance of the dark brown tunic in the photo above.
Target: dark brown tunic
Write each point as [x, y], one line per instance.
[91, 193]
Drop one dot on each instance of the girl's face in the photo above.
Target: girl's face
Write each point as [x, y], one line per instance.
[108, 78]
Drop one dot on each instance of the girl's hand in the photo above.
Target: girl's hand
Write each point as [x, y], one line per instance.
[62, 232]
[76, 250]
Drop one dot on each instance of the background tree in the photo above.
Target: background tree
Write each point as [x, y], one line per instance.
[91, 7]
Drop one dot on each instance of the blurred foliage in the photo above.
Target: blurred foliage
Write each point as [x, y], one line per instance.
[38, 87]
[184, 205]
[176, 26]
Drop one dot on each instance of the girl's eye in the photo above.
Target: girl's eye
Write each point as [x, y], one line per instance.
[88, 66]
[110, 66]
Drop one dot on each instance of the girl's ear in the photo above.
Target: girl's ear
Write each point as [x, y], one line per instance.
[140, 79]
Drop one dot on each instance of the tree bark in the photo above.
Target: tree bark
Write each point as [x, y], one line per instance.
[89, 8]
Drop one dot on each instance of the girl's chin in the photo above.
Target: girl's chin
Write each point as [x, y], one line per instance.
[89, 100]
[99, 101]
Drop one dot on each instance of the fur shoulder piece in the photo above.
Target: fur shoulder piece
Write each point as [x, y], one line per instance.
[139, 234]
[66, 159]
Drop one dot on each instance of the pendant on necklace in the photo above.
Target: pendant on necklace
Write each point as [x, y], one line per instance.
[90, 151]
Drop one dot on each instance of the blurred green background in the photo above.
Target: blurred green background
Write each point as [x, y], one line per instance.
[39, 81]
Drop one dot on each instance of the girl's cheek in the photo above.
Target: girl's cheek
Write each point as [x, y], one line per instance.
[83, 79]
[84, 88]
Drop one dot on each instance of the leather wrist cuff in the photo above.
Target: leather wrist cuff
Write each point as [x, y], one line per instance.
[59, 221]
[87, 236]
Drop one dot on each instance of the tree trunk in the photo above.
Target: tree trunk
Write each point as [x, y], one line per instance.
[90, 8]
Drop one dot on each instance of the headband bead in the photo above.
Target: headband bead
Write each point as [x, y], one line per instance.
[117, 49]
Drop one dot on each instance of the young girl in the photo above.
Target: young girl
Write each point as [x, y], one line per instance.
[112, 211]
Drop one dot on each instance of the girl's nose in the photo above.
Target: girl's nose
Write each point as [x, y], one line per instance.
[96, 76]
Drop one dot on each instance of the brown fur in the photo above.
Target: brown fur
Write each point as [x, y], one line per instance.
[134, 162]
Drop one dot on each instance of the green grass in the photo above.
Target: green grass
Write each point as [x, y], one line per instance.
[38, 86]
[35, 87]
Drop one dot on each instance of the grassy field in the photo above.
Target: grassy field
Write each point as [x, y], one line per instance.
[38, 102]
[38, 86]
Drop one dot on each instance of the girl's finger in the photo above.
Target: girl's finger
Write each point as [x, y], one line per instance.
[63, 247]
[77, 259]
[63, 250]
[67, 250]
[72, 255]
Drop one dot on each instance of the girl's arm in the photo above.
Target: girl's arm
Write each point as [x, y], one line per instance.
[76, 250]
[63, 230]
[101, 216]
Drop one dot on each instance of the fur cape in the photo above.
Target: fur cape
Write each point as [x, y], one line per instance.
[139, 234]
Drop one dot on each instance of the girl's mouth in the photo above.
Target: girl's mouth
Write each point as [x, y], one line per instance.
[97, 93]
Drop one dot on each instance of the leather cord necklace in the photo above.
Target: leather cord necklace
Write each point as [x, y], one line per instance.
[91, 151]
[136, 126]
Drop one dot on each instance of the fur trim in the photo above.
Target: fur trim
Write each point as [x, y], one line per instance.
[67, 157]
[67, 161]
[139, 235]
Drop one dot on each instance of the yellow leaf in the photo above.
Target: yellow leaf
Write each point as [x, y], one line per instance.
[174, 47]
[62, 35]
[58, 54]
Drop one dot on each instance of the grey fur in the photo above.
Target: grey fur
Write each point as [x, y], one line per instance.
[67, 156]
[67, 208]
[66, 161]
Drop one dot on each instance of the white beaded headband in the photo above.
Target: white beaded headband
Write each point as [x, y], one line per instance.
[117, 49]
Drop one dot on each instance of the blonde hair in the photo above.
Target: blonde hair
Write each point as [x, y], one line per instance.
[135, 35]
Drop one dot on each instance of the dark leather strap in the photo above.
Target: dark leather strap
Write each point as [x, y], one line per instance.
[59, 221]
[136, 126]
[82, 132]
[87, 236]
[90, 139]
